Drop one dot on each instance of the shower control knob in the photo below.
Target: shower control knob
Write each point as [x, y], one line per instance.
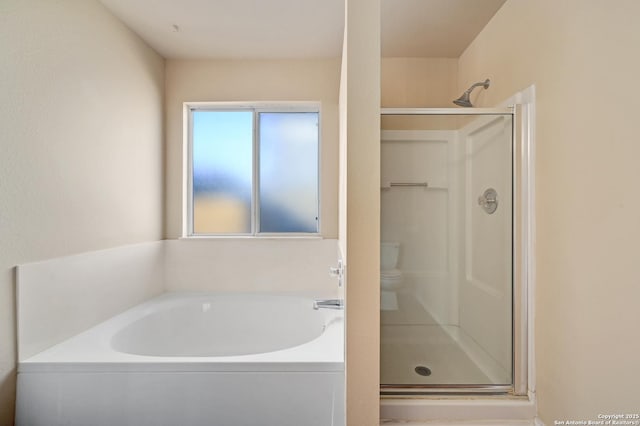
[489, 201]
[337, 272]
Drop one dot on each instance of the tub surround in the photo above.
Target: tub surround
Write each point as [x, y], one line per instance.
[254, 265]
[62, 297]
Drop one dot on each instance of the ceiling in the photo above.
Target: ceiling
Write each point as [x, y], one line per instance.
[298, 28]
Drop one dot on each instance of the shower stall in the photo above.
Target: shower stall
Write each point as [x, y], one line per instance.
[449, 196]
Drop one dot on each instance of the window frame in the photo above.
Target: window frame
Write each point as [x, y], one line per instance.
[256, 108]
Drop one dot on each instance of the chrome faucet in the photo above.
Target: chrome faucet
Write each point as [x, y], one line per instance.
[328, 304]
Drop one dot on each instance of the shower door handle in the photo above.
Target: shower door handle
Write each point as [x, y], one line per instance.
[489, 201]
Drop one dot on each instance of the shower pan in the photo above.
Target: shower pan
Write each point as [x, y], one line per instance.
[452, 326]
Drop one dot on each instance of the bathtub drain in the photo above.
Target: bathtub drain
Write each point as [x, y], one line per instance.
[423, 371]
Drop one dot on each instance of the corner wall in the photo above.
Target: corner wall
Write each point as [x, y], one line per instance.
[581, 57]
[81, 151]
[361, 151]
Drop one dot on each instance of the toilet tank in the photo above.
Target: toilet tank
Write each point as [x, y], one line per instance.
[389, 252]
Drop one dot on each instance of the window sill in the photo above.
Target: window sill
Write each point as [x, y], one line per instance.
[252, 237]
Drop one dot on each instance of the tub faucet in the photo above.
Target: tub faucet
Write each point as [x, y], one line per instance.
[328, 304]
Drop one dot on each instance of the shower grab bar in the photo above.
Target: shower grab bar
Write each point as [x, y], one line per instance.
[401, 184]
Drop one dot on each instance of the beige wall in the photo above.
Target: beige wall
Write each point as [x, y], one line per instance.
[361, 119]
[253, 80]
[418, 82]
[582, 57]
[81, 144]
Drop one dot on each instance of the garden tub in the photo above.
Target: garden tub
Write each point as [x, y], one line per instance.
[194, 359]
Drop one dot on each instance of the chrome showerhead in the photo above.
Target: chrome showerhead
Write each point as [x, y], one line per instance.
[464, 100]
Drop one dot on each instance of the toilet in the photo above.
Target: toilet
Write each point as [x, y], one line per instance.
[390, 276]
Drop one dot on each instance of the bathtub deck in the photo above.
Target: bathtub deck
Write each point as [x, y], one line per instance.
[91, 351]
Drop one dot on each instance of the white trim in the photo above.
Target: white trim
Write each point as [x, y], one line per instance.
[263, 106]
[526, 100]
[186, 169]
[475, 408]
[261, 237]
[255, 175]
[506, 109]
[255, 108]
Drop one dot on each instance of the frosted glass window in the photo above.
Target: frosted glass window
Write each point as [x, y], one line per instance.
[222, 146]
[288, 171]
[254, 170]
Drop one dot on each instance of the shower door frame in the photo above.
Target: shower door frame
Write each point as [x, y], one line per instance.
[522, 249]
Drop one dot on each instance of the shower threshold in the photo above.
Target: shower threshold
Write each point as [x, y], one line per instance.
[464, 408]
[447, 390]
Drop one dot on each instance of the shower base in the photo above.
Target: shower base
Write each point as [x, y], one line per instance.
[412, 341]
[405, 347]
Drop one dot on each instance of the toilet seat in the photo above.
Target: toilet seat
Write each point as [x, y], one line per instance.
[390, 273]
[390, 279]
[390, 276]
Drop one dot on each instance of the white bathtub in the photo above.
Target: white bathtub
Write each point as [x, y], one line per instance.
[194, 359]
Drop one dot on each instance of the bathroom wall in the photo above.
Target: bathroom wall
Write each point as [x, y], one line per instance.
[361, 186]
[61, 297]
[252, 265]
[581, 57]
[252, 80]
[81, 151]
[418, 82]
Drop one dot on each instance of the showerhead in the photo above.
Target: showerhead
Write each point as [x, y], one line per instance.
[464, 100]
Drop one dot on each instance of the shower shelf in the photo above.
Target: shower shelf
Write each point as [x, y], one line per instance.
[424, 185]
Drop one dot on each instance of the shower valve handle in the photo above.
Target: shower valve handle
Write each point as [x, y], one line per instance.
[489, 201]
[337, 272]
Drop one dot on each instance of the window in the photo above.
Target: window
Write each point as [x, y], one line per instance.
[252, 170]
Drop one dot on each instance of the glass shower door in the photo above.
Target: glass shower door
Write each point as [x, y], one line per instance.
[446, 252]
